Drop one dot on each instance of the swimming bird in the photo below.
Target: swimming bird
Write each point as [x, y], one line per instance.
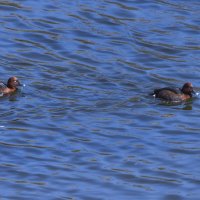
[175, 94]
[11, 86]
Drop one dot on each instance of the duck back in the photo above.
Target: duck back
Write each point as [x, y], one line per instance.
[169, 94]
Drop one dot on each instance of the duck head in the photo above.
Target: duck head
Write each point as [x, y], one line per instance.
[13, 83]
[188, 89]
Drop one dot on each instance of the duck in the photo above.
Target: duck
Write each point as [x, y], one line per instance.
[175, 94]
[11, 86]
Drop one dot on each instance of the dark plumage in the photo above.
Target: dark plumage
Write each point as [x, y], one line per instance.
[175, 94]
[11, 86]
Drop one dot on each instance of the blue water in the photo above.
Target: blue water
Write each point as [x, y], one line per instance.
[84, 127]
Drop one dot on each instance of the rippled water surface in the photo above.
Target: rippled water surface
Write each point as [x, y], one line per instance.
[85, 127]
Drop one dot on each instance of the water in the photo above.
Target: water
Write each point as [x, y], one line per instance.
[84, 127]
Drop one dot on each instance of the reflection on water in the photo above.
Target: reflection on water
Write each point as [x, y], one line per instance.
[85, 127]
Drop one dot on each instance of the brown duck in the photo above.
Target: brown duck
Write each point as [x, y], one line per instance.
[11, 86]
[175, 94]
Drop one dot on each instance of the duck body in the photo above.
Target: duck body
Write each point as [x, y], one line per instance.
[175, 94]
[11, 86]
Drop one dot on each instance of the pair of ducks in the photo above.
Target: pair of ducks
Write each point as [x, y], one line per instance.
[167, 93]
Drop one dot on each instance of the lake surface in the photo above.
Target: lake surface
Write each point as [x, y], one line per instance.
[84, 127]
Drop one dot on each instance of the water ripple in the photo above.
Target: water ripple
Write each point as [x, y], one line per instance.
[85, 120]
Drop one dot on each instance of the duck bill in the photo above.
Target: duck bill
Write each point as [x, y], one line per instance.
[21, 85]
[194, 92]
